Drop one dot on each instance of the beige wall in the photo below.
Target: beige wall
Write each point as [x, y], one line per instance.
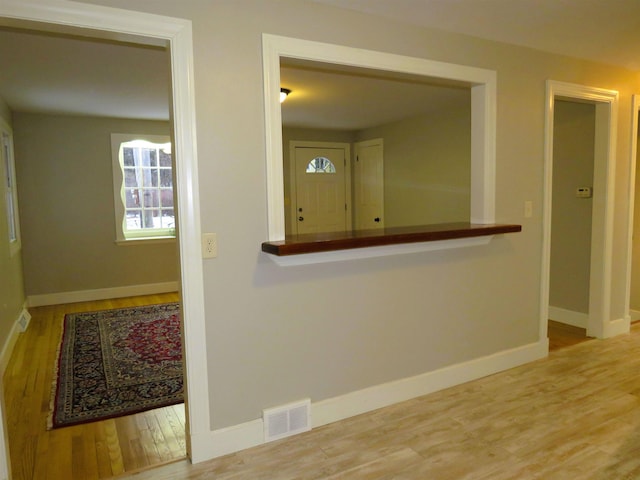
[67, 210]
[573, 154]
[427, 167]
[280, 334]
[12, 297]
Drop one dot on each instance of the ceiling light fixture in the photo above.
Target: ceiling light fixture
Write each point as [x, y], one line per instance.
[284, 92]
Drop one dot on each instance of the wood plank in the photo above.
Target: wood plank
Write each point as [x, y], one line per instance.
[330, 241]
[93, 450]
[574, 415]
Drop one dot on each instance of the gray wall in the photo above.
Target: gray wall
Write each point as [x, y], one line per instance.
[271, 336]
[12, 295]
[573, 154]
[67, 211]
[427, 167]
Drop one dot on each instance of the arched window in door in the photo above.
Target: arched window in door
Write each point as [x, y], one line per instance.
[321, 165]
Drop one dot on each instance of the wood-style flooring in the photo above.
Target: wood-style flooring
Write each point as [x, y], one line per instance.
[572, 416]
[562, 335]
[94, 450]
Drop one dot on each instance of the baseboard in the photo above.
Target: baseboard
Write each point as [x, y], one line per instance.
[101, 294]
[634, 315]
[615, 327]
[250, 434]
[10, 341]
[569, 317]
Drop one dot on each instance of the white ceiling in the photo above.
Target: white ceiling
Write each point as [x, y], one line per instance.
[72, 75]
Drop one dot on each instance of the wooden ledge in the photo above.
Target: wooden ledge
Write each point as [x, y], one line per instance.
[327, 242]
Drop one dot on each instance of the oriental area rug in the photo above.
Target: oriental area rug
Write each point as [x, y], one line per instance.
[117, 362]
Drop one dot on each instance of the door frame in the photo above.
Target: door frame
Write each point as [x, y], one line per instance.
[138, 27]
[293, 144]
[599, 324]
[635, 112]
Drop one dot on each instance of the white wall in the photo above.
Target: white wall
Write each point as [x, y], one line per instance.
[279, 334]
[65, 181]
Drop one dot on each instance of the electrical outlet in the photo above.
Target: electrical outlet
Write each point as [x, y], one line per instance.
[528, 209]
[209, 245]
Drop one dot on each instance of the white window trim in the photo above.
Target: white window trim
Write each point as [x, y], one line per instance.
[15, 245]
[121, 239]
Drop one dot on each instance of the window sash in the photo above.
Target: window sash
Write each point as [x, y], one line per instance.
[143, 186]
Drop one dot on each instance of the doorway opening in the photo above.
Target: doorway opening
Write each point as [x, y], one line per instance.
[175, 34]
[599, 112]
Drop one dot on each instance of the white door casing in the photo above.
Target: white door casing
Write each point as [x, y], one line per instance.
[600, 324]
[368, 185]
[111, 23]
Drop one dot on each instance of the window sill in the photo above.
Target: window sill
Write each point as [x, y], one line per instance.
[328, 247]
[146, 240]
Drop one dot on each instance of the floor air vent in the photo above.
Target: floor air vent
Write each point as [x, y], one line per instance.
[23, 321]
[280, 422]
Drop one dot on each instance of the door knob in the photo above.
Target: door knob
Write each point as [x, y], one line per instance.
[377, 219]
[301, 219]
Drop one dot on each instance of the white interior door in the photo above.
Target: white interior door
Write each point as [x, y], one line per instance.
[320, 189]
[368, 179]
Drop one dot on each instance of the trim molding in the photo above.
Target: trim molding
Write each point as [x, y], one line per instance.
[101, 294]
[10, 341]
[634, 315]
[600, 297]
[570, 317]
[250, 434]
[617, 326]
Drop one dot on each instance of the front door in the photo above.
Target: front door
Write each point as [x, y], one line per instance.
[320, 190]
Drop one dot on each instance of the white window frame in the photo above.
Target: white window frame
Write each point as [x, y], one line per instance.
[9, 187]
[123, 236]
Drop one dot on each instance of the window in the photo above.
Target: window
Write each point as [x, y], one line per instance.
[321, 165]
[10, 190]
[143, 186]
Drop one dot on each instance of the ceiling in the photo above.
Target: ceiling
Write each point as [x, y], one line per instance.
[62, 74]
[606, 31]
[353, 98]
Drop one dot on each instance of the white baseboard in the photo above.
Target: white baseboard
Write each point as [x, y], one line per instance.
[101, 294]
[10, 341]
[634, 315]
[250, 434]
[615, 327]
[569, 317]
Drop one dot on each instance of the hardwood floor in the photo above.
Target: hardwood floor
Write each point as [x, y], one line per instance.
[562, 335]
[84, 452]
[572, 416]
